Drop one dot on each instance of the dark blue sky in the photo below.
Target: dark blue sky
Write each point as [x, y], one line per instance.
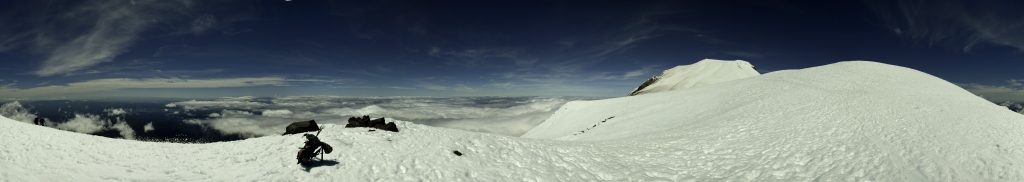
[150, 48]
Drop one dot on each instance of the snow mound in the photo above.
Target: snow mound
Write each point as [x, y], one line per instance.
[848, 121]
[704, 72]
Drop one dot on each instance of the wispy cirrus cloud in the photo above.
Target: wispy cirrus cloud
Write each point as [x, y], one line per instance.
[480, 56]
[642, 71]
[956, 24]
[464, 88]
[432, 86]
[103, 30]
[360, 72]
[619, 41]
[613, 39]
[502, 85]
[203, 23]
[109, 28]
[744, 54]
[403, 88]
[1015, 82]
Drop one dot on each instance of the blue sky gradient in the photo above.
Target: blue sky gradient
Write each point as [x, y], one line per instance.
[199, 49]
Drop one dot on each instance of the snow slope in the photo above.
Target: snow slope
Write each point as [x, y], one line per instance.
[704, 72]
[849, 121]
[844, 121]
[418, 152]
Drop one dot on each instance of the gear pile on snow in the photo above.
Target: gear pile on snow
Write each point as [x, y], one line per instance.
[300, 127]
[313, 146]
[375, 123]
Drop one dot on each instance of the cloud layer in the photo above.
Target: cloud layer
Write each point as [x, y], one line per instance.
[111, 84]
[998, 93]
[15, 111]
[81, 123]
[511, 116]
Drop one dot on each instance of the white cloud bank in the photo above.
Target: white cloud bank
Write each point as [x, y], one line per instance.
[15, 111]
[82, 123]
[225, 102]
[148, 127]
[510, 116]
[115, 112]
[111, 84]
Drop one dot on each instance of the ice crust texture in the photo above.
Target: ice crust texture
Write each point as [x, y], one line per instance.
[848, 121]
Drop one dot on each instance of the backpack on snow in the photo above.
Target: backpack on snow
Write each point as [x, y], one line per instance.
[312, 148]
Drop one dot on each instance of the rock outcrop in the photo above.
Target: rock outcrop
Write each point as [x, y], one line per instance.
[365, 121]
[301, 126]
[644, 85]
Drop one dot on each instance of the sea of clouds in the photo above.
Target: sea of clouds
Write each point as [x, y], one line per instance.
[253, 117]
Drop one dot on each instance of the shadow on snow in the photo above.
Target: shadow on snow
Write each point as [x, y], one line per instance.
[312, 164]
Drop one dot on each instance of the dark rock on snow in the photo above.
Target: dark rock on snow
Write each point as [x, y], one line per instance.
[375, 122]
[458, 153]
[301, 126]
[640, 89]
[365, 121]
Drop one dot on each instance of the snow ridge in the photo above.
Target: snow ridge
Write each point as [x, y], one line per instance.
[848, 121]
[704, 72]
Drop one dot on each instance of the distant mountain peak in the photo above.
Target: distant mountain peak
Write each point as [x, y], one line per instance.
[703, 72]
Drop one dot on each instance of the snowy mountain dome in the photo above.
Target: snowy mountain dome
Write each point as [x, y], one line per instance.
[847, 121]
[704, 72]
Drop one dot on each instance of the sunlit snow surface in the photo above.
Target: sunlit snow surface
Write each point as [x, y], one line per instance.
[703, 72]
[849, 121]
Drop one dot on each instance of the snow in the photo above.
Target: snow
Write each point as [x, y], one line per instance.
[848, 121]
[418, 152]
[704, 72]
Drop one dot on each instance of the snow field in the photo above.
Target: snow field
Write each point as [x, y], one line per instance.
[845, 121]
[849, 121]
[489, 158]
[416, 153]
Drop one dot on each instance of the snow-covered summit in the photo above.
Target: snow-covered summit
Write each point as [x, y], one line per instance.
[848, 121]
[704, 72]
